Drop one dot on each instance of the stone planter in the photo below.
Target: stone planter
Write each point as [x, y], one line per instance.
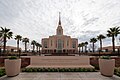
[107, 67]
[12, 67]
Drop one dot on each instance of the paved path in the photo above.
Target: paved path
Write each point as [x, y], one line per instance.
[61, 76]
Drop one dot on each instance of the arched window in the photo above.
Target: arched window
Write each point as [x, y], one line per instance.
[59, 44]
[45, 44]
[67, 43]
[51, 42]
[74, 44]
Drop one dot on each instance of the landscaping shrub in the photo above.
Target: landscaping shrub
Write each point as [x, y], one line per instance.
[117, 71]
[12, 57]
[2, 72]
[58, 70]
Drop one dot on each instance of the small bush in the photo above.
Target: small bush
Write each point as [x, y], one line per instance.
[105, 57]
[12, 57]
[117, 71]
[2, 72]
[58, 70]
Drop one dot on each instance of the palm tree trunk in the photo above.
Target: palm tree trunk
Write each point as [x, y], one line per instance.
[33, 47]
[113, 43]
[82, 48]
[79, 49]
[37, 48]
[100, 45]
[18, 48]
[93, 47]
[25, 47]
[85, 48]
[4, 49]
[17, 45]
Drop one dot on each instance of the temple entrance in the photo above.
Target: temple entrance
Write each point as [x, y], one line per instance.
[59, 46]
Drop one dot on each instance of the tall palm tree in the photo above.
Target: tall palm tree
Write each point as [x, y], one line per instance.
[5, 34]
[25, 40]
[33, 43]
[40, 46]
[93, 41]
[100, 37]
[82, 45]
[18, 38]
[37, 46]
[86, 43]
[113, 32]
[79, 46]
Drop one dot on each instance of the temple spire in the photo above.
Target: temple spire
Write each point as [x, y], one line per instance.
[59, 19]
[59, 28]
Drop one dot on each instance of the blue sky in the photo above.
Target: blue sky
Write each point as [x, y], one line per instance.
[82, 19]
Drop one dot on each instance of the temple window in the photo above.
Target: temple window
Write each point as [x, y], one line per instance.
[74, 44]
[67, 43]
[51, 42]
[45, 44]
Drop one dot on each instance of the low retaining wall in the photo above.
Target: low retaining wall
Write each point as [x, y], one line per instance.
[25, 62]
[93, 61]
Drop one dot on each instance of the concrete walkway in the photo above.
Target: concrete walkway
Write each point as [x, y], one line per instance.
[61, 76]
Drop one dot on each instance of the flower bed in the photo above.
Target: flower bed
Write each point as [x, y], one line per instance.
[58, 70]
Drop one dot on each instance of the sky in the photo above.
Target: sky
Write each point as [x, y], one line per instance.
[82, 19]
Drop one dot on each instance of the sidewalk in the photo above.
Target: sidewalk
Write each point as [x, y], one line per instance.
[61, 76]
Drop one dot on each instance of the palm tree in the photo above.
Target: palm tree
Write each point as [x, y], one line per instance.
[40, 47]
[86, 43]
[79, 46]
[33, 43]
[113, 32]
[37, 46]
[18, 38]
[82, 45]
[25, 40]
[100, 37]
[5, 34]
[93, 40]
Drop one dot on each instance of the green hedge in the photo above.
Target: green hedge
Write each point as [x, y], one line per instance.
[117, 71]
[58, 70]
[2, 72]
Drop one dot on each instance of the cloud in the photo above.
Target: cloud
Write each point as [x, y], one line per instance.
[82, 19]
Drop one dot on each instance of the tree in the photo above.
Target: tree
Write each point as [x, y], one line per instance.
[33, 43]
[39, 47]
[82, 45]
[100, 37]
[86, 43]
[113, 32]
[93, 41]
[25, 40]
[18, 38]
[79, 46]
[5, 34]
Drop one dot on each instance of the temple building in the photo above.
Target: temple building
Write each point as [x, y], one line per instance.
[59, 43]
